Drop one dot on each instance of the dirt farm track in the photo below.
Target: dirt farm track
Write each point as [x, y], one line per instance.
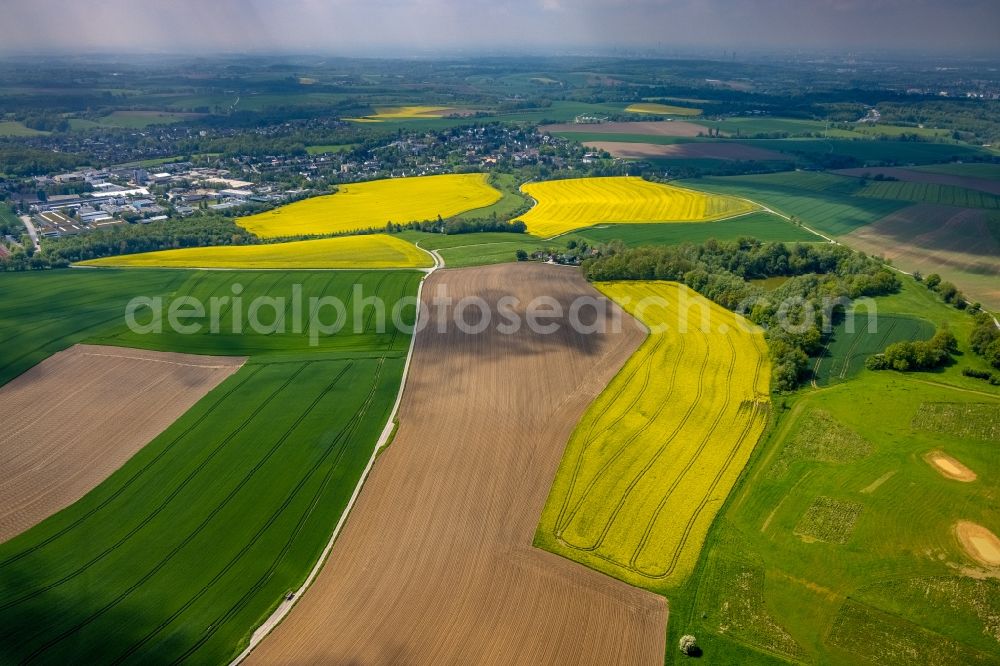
[76, 417]
[435, 563]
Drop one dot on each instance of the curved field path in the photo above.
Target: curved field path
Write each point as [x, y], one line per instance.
[435, 564]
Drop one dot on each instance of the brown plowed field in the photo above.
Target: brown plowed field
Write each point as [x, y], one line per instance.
[714, 151]
[76, 417]
[900, 173]
[435, 564]
[652, 128]
[955, 242]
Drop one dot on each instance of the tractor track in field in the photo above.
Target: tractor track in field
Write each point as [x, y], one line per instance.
[686, 533]
[343, 435]
[620, 503]
[163, 505]
[561, 523]
[165, 560]
[691, 461]
[135, 477]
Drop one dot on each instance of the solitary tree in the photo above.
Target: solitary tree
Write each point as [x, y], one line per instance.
[689, 645]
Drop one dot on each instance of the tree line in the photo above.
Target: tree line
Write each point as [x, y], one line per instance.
[819, 275]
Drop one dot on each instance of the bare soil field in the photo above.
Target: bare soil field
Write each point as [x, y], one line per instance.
[949, 467]
[76, 417]
[654, 128]
[955, 242]
[715, 151]
[435, 563]
[982, 545]
[912, 176]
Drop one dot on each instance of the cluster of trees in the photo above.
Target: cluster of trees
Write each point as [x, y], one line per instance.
[948, 291]
[823, 280]
[20, 160]
[985, 339]
[571, 255]
[918, 355]
[46, 122]
[991, 377]
[975, 121]
[198, 231]
[455, 225]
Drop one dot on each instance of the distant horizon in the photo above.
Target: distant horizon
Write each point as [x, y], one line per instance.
[733, 54]
[421, 28]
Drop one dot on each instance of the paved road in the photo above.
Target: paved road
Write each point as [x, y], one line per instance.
[31, 231]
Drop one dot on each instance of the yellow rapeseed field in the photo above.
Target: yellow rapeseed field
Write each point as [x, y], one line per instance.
[370, 251]
[565, 205]
[404, 112]
[656, 454]
[662, 109]
[372, 204]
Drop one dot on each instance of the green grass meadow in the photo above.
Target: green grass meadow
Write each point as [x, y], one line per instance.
[837, 545]
[478, 249]
[821, 201]
[851, 342]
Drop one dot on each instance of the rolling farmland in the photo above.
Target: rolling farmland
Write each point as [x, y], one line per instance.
[953, 178]
[763, 226]
[449, 574]
[933, 193]
[852, 342]
[985, 171]
[256, 474]
[566, 205]
[479, 249]
[719, 150]
[372, 204]
[651, 128]
[841, 502]
[367, 251]
[872, 152]
[953, 242]
[77, 305]
[90, 305]
[658, 451]
[410, 112]
[822, 201]
[78, 416]
[662, 109]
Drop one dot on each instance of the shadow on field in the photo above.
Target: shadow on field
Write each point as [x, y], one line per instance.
[582, 331]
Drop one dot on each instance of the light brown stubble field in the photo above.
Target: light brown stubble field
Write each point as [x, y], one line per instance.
[435, 564]
[79, 415]
[955, 242]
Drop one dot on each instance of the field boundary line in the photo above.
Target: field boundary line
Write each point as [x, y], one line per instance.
[160, 360]
[286, 605]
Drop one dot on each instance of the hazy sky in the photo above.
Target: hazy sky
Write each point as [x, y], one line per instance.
[400, 26]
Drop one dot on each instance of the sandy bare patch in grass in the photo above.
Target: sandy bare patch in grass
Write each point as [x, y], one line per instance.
[76, 417]
[435, 563]
[715, 151]
[877, 483]
[949, 467]
[656, 128]
[981, 544]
